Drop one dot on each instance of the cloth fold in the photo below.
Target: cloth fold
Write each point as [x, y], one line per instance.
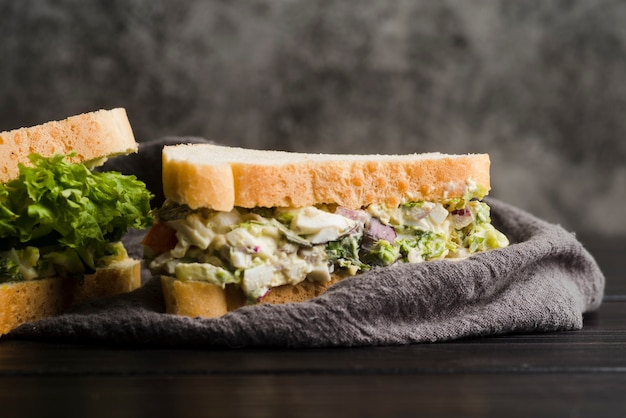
[544, 281]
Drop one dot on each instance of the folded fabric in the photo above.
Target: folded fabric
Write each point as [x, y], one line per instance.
[544, 281]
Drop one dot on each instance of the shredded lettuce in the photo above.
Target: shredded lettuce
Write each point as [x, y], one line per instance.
[63, 204]
[385, 252]
[426, 245]
[18, 265]
[484, 237]
[9, 271]
[345, 253]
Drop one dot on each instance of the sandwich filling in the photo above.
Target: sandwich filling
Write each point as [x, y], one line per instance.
[261, 248]
[63, 219]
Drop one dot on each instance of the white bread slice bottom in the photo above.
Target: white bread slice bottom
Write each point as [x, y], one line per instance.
[22, 302]
[94, 135]
[219, 177]
[207, 300]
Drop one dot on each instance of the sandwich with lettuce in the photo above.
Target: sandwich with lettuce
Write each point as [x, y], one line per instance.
[61, 222]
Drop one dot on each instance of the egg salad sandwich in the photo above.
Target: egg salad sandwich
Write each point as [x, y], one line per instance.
[61, 221]
[243, 226]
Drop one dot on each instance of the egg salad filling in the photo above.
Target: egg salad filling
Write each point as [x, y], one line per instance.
[262, 248]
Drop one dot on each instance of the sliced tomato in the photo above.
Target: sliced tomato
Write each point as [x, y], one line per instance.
[160, 238]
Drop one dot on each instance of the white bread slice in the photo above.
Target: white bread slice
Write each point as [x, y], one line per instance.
[103, 133]
[219, 177]
[22, 302]
[203, 299]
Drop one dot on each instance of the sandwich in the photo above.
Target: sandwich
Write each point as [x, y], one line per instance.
[241, 227]
[61, 221]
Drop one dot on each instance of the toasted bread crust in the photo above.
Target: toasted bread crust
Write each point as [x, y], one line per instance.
[203, 299]
[22, 302]
[222, 177]
[91, 135]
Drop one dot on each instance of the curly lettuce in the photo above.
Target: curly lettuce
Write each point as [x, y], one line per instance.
[67, 206]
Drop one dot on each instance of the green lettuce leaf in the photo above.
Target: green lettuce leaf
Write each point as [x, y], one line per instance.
[56, 202]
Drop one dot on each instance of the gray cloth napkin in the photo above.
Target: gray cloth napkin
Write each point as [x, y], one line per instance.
[544, 281]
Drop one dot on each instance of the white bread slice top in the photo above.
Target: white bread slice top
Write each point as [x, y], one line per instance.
[219, 177]
[94, 135]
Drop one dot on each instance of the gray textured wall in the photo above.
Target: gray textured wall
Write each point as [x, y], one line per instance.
[539, 84]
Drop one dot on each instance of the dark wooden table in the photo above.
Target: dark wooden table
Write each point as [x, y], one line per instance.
[568, 374]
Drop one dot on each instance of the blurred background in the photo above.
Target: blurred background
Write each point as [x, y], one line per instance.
[538, 84]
